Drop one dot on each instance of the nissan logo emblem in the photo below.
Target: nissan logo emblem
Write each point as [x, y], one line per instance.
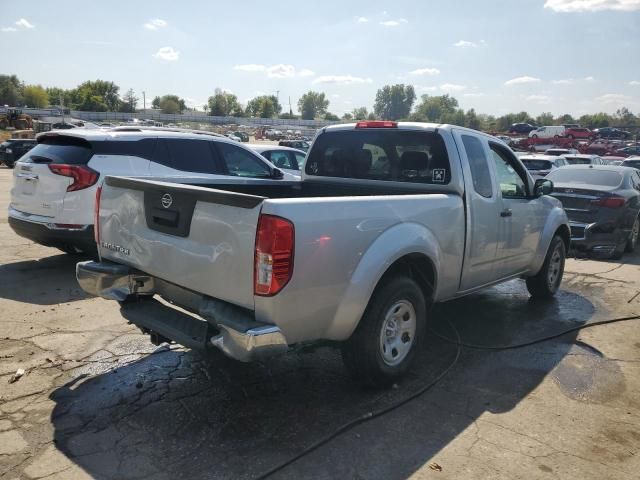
[167, 200]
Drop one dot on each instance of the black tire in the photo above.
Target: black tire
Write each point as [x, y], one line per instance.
[570, 136]
[534, 136]
[363, 353]
[544, 284]
[632, 242]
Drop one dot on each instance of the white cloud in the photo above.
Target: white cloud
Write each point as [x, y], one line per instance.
[394, 23]
[168, 54]
[425, 71]
[465, 44]
[452, 87]
[362, 19]
[281, 71]
[9, 29]
[567, 6]
[634, 83]
[616, 98]
[24, 23]
[342, 79]
[473, 95]
[250, 67]
[305, 72]
[538, 98]
[521, 80]
[155, 24]
[589, 79]
[566, 81]
[426, 89]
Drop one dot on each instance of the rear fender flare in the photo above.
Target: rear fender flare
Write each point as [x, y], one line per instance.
[393, 244]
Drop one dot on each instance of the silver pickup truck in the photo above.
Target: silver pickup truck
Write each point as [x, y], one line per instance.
[388, 219]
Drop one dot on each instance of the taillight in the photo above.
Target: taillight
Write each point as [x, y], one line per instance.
[83, 176]
[609, 202]
[377, 124]
[273, 265]
[96, 216]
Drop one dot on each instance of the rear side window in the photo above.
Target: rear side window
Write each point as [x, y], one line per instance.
[69, 150]
[142, 148]
[197, 156]
[478, 165]
[381, 154]
[282, 159]
[242, 163]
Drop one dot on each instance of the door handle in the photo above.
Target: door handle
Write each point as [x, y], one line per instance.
[506, 213]
[28, 176]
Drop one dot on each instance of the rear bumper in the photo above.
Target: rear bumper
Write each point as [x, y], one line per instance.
[49, 234]
[583, 237]
[227, 327]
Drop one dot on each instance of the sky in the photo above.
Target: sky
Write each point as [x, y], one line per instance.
[559, 56]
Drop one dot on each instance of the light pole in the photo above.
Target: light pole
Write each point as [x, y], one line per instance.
[144, 101]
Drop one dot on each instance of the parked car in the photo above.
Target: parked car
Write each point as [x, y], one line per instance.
[233, 136]
[522, 128]
[603, 205]
[556, 152]
[551, 131]
[383, 224]
[286, 159]
[604, 146]
[571, 125]
[583, 159]
[297, 144]
[609, 132]
[540, 165]
[13, 148]
[626, 151]
[54, 184]
[578, 132]
[612, 160]
[633, 162]
[244, 137]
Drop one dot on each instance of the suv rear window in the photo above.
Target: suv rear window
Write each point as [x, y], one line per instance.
[537, 164]
[607, 178]
[69, 150]
[578, 161]
[380, 154]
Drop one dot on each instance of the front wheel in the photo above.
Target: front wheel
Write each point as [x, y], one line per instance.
[546, 282]
[384, 344]
[534, 136]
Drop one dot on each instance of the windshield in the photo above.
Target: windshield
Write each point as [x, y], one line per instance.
[578, 161]
[605, 178]
[537, 164]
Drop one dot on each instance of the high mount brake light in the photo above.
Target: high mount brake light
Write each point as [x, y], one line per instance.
[273, 259]
[83, 176]
[377, 124]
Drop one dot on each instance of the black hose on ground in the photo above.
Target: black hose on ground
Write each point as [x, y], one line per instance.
[371, 415]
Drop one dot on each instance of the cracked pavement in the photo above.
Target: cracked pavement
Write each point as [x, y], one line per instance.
[99, 401]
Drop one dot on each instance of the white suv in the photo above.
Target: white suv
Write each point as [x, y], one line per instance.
[54, 187]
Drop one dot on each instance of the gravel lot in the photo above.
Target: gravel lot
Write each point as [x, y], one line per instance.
[99, 401]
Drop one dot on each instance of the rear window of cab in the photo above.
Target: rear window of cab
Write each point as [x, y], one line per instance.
[380, 154]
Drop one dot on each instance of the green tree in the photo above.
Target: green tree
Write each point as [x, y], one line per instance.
[596, 120]
[360, 113]
[129, 102]
[471, 120]
[436, 108]
[288, 116]
[564, 119]
[60, 97]
[372, 116]
[545, 118]
[331, 117]
[10, 90]
[35, 96]
[222, 104]
[312, 104]
[156, 102]
[96, 94]
[347, 117]
[264, 106]
[625, 118]
[394, 102]
[171, 104]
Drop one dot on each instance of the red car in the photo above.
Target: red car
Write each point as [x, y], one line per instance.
[576, 132]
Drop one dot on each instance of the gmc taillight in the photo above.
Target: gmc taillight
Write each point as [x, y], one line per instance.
[96, 216]
[273, 264]
[83, 176]
[609, 202]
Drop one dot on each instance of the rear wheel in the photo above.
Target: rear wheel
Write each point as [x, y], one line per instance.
[546, 282]
[534, 136]
[633, 237]
[384, 344]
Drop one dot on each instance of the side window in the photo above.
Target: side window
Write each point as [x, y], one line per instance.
[299, 160]
[511, 184]
[478, 165]
[242, 163]
[187, 155]
[280, 159]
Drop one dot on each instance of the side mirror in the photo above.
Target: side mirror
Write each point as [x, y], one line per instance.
[277, 174]
[542, 187]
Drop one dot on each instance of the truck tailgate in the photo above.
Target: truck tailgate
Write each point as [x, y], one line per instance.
[199, 238]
